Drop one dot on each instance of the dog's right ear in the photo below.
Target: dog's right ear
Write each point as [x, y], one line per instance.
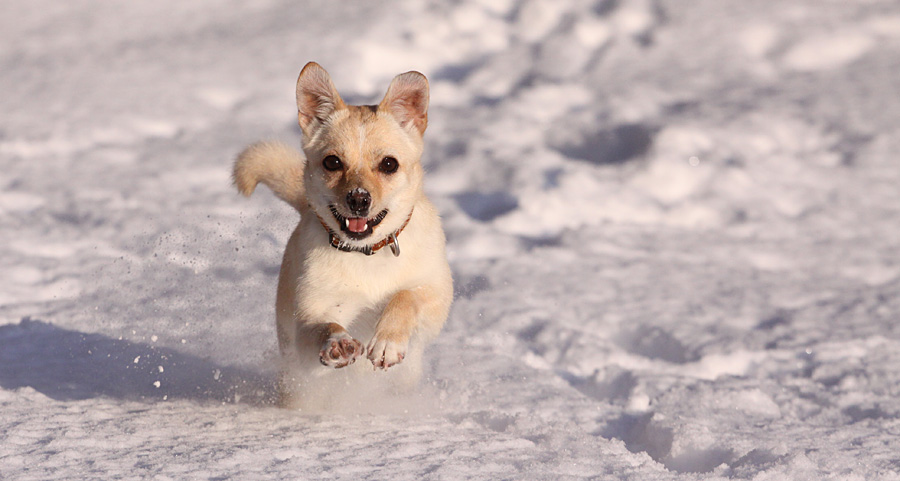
[317, 98]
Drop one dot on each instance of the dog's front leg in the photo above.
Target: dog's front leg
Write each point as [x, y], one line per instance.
[406, 312]
[336, 347]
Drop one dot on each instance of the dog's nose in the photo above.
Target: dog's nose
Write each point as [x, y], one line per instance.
[359, 200]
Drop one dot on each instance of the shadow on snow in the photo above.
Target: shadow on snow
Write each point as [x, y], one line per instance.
[71, 365]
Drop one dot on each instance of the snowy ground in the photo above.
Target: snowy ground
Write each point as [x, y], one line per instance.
[674, 228]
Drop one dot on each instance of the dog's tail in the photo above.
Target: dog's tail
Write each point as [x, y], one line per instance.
[277, 165]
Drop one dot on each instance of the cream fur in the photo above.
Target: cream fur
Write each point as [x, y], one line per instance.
[393, 306]
[276, 165]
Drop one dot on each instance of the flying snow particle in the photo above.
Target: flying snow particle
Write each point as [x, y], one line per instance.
[157, 384]
[137, 359]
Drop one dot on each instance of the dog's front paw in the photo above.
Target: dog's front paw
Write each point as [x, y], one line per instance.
[384, 353]
[340, 350]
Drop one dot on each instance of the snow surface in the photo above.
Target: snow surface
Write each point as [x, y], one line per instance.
[674, 228]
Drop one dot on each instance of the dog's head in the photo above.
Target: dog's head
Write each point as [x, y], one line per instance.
[362, 173]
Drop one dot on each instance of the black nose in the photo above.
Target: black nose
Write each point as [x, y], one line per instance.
[359, 200]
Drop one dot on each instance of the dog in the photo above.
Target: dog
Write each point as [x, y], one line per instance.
[346, 289]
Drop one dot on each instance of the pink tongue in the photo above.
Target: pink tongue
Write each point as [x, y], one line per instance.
[357, 224]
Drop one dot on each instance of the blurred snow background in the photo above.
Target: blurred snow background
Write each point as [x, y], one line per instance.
[674, 228]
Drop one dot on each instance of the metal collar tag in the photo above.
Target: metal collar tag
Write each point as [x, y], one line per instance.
[395, 246]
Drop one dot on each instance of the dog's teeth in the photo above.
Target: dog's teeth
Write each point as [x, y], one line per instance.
[365, 226]
[347, 223]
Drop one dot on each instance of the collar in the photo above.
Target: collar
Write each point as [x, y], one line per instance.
[368, 250]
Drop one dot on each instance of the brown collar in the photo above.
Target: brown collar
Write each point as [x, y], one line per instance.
[368, 250]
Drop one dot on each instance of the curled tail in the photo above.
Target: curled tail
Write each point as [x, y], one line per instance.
[277, 165]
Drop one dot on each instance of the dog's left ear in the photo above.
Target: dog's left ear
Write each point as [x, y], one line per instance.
[407, 100]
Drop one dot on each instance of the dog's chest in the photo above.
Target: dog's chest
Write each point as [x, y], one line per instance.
[371, 277]
[350, 282]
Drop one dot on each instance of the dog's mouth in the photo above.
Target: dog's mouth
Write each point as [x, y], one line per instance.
[357, 228]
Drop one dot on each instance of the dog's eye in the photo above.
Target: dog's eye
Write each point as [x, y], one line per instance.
[388, 165]
[332, 163]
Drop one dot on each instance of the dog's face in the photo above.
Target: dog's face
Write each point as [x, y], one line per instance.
[362, 174]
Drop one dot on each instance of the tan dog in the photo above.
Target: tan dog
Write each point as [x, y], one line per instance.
[344, 277]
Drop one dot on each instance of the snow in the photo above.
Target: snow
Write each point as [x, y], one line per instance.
[673, 229]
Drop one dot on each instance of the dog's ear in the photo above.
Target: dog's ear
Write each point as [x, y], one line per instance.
[407, 100]
[316, 96]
